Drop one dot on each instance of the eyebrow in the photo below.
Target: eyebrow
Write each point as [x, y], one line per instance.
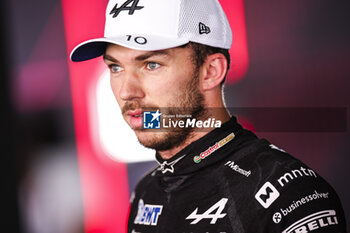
[109, 58]
[141, 57]
[145, 56]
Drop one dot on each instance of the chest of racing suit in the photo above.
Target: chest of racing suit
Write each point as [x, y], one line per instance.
[229, 181]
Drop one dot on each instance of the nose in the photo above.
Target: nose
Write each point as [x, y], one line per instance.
[131, 87]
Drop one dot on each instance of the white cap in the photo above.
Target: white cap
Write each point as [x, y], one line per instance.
[159, 24]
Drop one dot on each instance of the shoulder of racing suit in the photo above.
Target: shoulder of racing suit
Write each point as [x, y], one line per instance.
[275, 192]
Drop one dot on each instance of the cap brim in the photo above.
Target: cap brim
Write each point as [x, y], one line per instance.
[96, 47]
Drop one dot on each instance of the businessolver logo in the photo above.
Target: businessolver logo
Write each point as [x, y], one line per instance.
[151, 120]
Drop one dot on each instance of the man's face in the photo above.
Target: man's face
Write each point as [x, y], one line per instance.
[144, 80]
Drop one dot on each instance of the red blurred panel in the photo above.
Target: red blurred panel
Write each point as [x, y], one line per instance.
[239, 50]
[104, 182]
[37, 85]
[246, 123]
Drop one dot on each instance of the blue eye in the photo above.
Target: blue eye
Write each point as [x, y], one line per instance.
[115, 68]
[152, 65]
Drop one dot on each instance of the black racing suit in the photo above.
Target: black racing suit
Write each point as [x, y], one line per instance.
[231, 181]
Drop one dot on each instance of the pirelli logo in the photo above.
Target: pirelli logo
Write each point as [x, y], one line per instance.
[313, 222]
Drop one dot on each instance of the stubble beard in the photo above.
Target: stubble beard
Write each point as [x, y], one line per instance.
[189, 102]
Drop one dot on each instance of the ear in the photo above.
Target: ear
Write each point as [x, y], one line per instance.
[214, 71]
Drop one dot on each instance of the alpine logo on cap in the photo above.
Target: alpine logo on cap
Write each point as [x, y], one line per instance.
[203, 29]
[125, 7]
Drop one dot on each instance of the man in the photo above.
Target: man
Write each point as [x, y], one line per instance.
[170, 58]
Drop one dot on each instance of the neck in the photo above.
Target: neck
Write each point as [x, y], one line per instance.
[219, 114]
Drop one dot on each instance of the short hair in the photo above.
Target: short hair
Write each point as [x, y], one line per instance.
[200, 53]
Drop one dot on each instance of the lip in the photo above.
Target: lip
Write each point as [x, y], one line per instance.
[135, 118]
[134, 112]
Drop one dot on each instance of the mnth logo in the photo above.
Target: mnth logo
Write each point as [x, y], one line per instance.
[267, 194]
[151, 120]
